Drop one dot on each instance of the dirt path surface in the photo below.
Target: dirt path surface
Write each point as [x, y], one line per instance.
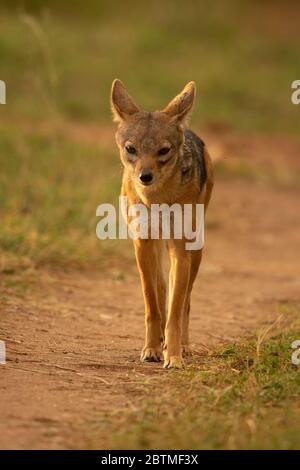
[73, 347]
[73, 344]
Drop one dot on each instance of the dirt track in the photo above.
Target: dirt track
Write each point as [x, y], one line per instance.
[73, 346]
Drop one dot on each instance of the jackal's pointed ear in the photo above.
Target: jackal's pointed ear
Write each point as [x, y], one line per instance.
[181, 105]
[122, 105]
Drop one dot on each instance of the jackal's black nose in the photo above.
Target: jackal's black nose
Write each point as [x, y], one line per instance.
[146, 176]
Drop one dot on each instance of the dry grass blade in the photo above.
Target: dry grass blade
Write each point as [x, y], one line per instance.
[264, 334]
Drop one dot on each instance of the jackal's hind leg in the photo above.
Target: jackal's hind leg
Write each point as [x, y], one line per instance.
[194, 267]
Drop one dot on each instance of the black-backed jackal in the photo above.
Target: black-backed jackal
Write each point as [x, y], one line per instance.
[163, 163]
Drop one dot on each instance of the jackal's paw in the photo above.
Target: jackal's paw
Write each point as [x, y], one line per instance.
[186, 350]
[151, 354]
[173, 362]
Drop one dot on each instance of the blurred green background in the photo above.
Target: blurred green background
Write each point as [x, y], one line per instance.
[242, 54]
[58, 60]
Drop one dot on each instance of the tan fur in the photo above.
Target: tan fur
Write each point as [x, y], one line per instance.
[148, 133]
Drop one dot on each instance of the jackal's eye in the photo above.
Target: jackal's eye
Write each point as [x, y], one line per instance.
[164, 151]
[130, 149]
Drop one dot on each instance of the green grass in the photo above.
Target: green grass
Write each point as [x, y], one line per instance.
[50, 188]
[240, 396]
[61, 59]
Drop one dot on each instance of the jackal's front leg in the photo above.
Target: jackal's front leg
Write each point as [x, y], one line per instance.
[179, 283]
[147, 261]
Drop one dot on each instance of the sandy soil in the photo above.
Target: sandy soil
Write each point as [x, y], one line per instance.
[73, 345]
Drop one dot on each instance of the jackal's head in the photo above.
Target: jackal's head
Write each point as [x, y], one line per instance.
[150, 143]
